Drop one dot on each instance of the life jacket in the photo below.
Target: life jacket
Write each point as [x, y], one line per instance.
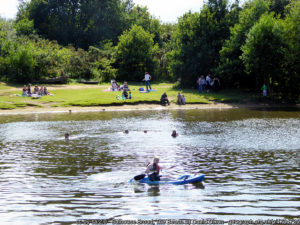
[156, 168]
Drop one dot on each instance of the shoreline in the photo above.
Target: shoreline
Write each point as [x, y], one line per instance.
[138, 107]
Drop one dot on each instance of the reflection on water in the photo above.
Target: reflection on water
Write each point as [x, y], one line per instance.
[250, 159]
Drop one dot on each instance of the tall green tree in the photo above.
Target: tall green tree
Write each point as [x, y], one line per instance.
[135, 53]
[278, 7]
[199, 39]
[140, 16]
[165, 52]
[291, 82]
[263, 52]
[231, 67]
[7, 44]
[24, 27]
[78, 22]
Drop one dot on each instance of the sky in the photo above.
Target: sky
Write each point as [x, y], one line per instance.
[8, 8]
[170, 10]
[165, 10]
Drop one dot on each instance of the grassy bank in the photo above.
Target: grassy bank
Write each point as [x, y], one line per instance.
[97, 95]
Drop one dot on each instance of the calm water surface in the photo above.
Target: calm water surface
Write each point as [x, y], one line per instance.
[250, 159]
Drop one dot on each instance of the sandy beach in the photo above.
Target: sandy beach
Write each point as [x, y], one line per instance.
[31, 110]
[138, 107]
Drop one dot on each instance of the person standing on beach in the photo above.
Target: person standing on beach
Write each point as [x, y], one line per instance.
[147, 80]
[264, 89]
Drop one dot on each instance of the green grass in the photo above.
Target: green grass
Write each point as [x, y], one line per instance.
[94, 95]
[4, 86]
[12, 102]
[97, 97]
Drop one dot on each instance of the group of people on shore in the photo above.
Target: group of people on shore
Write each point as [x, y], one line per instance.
[26, 91]
[126, 93]
[208, 83]
[116, 87]
[180, 99]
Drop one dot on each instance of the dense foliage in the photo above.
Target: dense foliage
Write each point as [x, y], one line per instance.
[244, 45]
[135, 54]
[199, 38]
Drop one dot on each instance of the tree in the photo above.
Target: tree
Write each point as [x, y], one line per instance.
[24, 27]
[135, 52]
[199, 39]
[291, 82]
[78, 22]
[102, 61]
[263, 52]
[231, 67]
[278, 7]
[7, 44]
[21, 65]
[140, 16]
[164, 53]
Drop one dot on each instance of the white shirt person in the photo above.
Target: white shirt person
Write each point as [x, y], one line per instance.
[147, 80]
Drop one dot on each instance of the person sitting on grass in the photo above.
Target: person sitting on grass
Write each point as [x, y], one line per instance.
[24, 91]
[114, 86]
[164, 99]
[153, 170]
[182, 99]
[36, 90]
[124, 94]
[125, 86]
[179, 99]
[41, 91]
[45, 91]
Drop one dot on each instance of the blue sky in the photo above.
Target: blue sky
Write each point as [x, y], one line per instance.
[165, 10]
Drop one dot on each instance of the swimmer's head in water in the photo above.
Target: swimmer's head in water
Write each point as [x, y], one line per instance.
[174, 133]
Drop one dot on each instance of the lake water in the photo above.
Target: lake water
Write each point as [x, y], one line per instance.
[250, 159]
